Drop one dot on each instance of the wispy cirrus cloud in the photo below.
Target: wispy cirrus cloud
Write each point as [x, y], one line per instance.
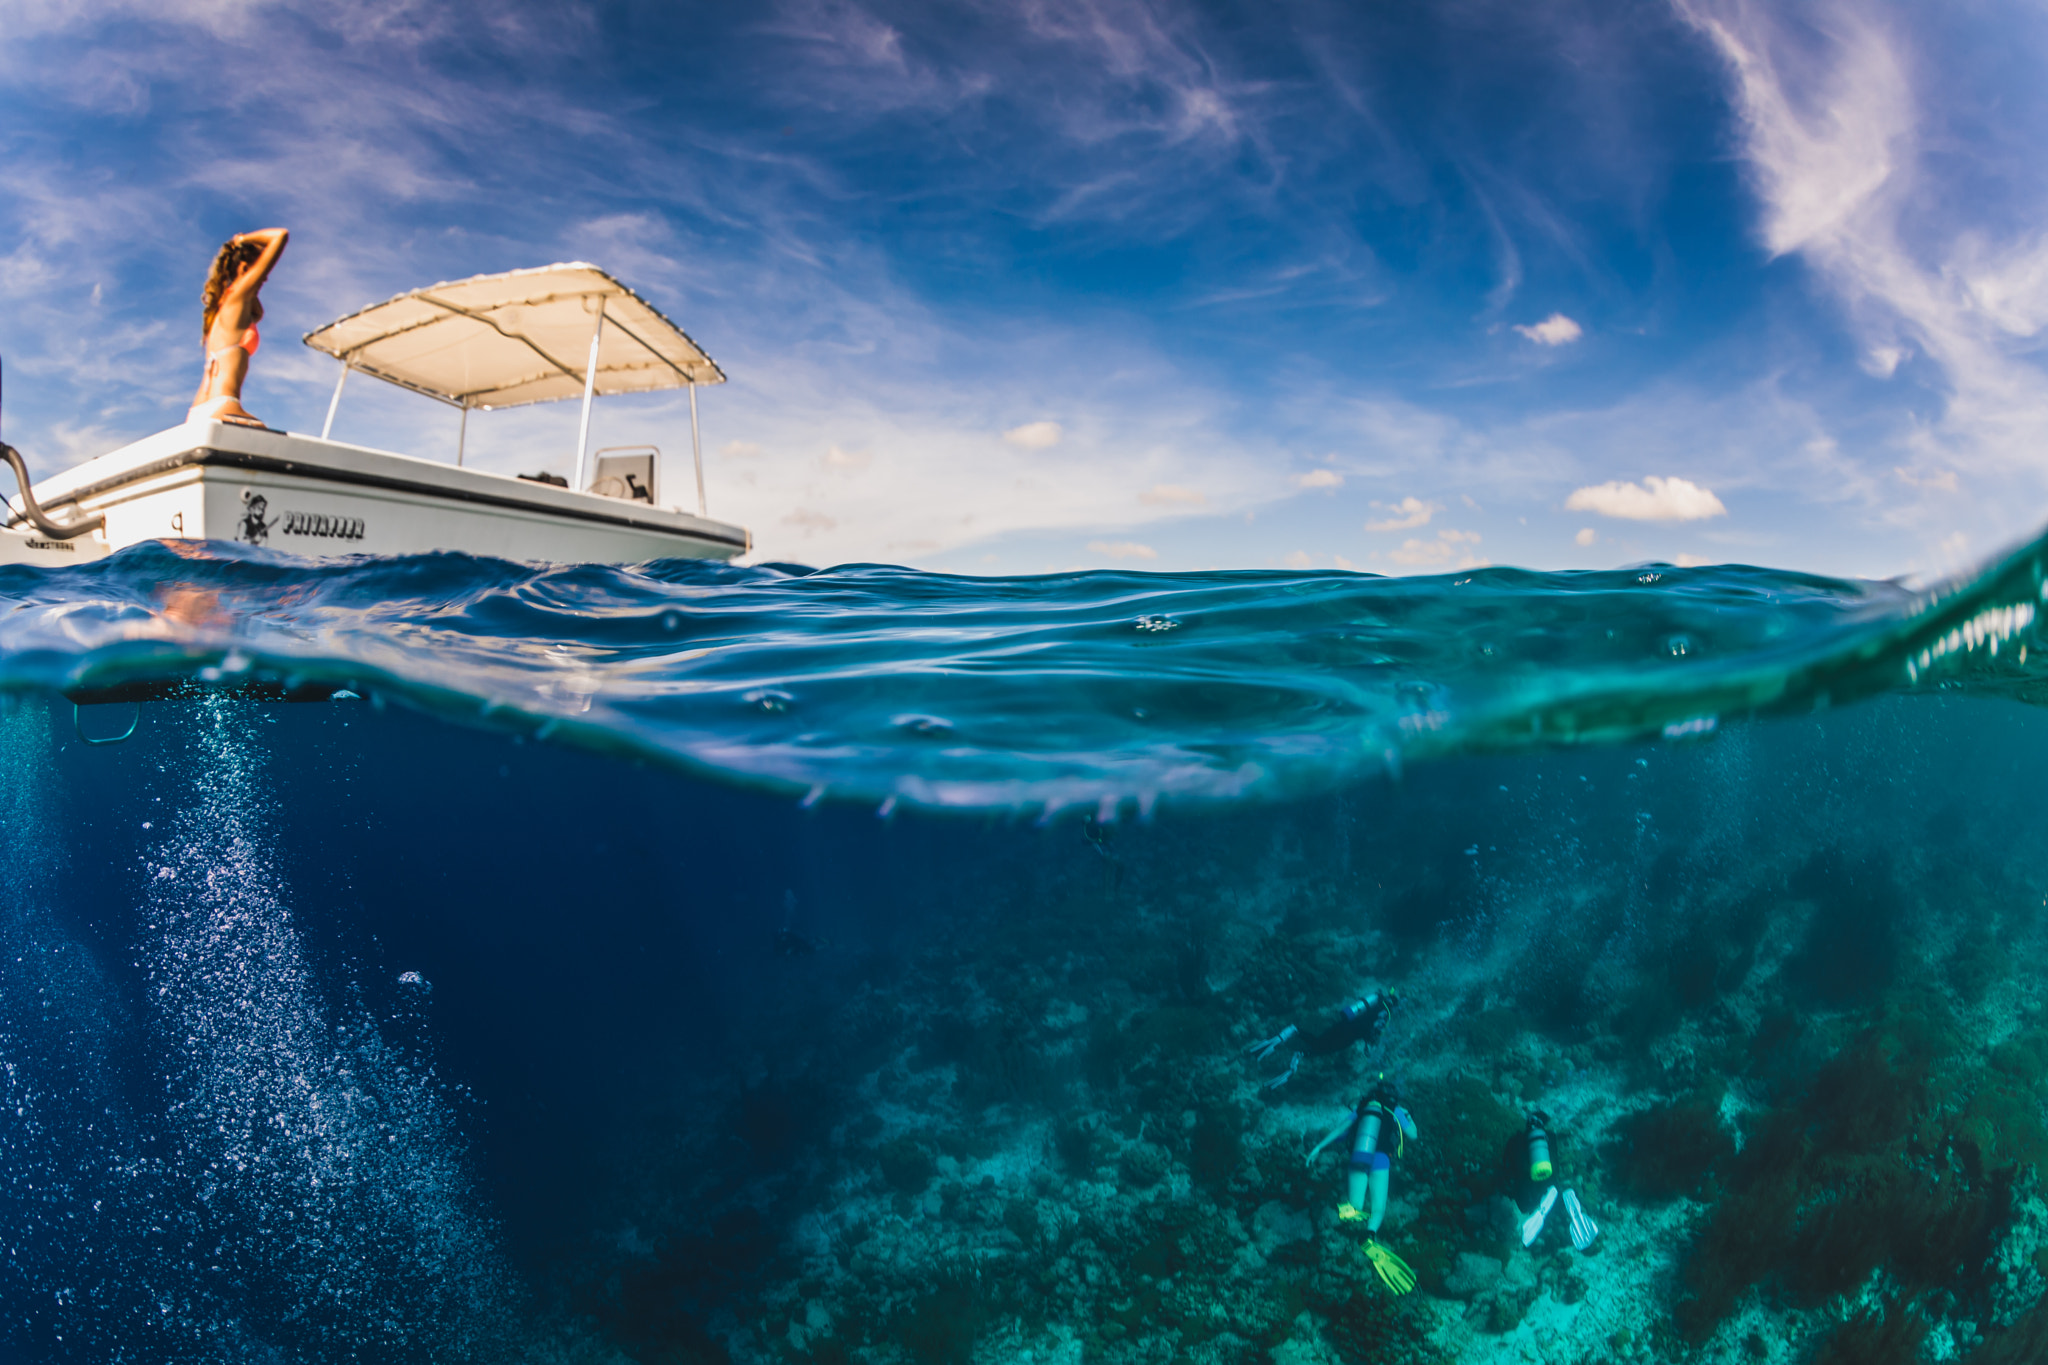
[387, 177]
[1836, 117]
[1234, 267]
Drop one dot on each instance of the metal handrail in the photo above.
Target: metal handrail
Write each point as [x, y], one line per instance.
[78, 726]
[55, 530]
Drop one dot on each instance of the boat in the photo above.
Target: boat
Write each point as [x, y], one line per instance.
[489, 342]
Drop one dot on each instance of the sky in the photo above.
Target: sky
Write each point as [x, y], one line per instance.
[1046, 284]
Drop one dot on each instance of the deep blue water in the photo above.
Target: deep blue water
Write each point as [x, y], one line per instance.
[699, 963]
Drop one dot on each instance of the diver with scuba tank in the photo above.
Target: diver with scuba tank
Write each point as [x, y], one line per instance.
[1536, 1193]
[1361, 1021]
[1376, 1125]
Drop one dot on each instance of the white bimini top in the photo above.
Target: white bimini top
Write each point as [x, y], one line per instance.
[523, 336]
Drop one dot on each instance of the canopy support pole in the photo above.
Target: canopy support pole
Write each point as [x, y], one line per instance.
[335, 401]
[462, 436]
[697, 449]
[589, 391]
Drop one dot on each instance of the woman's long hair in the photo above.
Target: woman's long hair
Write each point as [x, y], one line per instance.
[228, 265]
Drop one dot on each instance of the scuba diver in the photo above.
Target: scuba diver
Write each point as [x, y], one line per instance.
[1377, 1122]
[790, 941]
[795, 943]
[1361, 1021]
[1097, 832]
[1529, 1153]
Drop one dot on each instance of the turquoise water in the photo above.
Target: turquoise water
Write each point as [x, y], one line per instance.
[872, 683]
[696, 963]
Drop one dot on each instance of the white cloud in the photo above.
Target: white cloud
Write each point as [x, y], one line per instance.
[1450, 550]
[1035, 435]
[1823, 138]
[1299, 559]
[771, 296]
[1123, 549]
[1320, 478]
[1940, 481]
[808, 521]
[1654, 499]
[1555, 330]
[807, 317]
[1834, 108]
[1585, 537]
[1409, 513]
[1144, 433]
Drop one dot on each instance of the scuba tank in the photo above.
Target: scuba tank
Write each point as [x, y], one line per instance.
[1373, 1012]
[1537, 1136]
[1379, 1110]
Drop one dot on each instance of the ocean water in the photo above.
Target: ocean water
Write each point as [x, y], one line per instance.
[467, 961]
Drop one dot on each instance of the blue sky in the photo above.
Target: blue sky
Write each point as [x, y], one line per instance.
[1008, 287]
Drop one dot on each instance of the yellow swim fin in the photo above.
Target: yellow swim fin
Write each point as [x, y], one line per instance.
[1393, 1271]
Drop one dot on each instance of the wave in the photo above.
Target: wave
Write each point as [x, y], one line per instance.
[1085, 689]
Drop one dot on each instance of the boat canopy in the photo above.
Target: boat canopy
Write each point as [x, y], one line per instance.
[523, 336]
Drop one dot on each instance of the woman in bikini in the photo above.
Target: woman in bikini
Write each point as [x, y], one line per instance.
[232, 311]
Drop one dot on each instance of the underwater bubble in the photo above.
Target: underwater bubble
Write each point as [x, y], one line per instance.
[274, 1107]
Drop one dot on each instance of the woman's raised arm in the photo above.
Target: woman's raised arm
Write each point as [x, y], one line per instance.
[273, 240]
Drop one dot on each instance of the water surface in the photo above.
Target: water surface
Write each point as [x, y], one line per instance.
[696, 963]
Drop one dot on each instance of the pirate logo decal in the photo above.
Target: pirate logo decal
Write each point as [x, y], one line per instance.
[255, 527]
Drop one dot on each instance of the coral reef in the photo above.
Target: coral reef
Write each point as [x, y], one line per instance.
[1806, 1112]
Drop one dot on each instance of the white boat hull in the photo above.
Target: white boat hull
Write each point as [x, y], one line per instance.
[219, 481]
[33, 547]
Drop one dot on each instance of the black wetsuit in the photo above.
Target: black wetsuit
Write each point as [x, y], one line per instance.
[1359, 1023]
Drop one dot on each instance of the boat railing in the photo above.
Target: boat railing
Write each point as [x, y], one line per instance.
[33, 512]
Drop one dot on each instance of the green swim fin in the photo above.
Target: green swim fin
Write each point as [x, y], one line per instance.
[1393, 1271]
